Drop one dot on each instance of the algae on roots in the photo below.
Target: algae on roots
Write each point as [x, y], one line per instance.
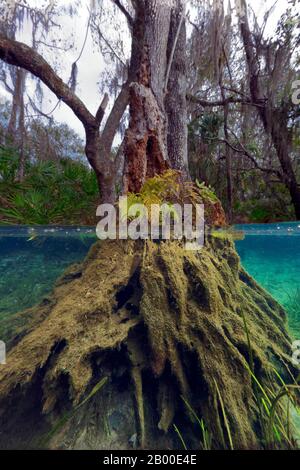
[161, 322]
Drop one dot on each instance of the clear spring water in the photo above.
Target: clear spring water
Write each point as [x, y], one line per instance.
[31, 259]
[271, 254]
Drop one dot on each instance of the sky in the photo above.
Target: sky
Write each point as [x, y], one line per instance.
[92, 63]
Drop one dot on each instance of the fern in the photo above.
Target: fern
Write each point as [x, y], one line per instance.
[169, 188]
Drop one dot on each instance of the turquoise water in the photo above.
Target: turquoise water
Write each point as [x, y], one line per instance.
[31, 259]
[271, 254]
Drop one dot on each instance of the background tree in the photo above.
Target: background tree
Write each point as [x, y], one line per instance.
[14, 16]
[259, 187]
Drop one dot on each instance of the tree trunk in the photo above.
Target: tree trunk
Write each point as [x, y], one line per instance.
[274, 120]
[105, 176]
[228, 159]
[21, 142]
[278, 127]
[157, 135]
[145, 145]
[176, 89]
[16, 125]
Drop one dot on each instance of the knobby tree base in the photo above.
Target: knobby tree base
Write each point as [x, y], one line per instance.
[162, 324]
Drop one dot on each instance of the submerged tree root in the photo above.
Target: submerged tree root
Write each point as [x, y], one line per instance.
[161, 323]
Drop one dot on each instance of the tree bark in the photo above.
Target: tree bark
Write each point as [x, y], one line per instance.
[16, 126]
[156, 138]
[21, 138]
[176, 88]
[228, 156]
[145, 145]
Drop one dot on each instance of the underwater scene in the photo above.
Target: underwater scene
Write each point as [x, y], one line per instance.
[271, 254]
[31, 259]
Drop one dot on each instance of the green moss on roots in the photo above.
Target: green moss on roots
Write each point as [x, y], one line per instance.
[160, 322]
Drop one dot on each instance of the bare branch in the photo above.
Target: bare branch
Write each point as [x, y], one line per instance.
[124, 11]
[19, 54]
[222, 102]
[53, 46]
[109, 46]
[39, 111]
[101, 109]
[244, 150]
[114, 118]
[8, 88]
